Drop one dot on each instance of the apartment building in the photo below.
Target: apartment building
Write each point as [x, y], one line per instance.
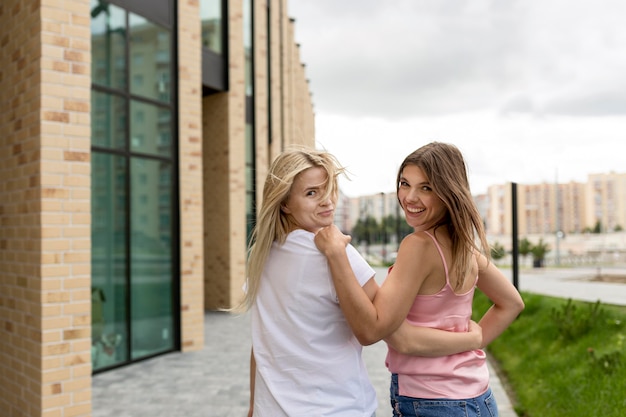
[136, 137]
[570, 207]
[606, 201]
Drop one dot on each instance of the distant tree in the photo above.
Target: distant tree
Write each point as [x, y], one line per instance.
[539, 252]
[598, 227]
[524, 247]
[497, 251]
[388, 226]
[403, 227]
[365, 230]
[618, 228]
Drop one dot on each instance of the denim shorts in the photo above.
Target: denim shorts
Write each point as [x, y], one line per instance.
[481, 406]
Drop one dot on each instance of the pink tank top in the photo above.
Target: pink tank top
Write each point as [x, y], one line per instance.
[459, 376]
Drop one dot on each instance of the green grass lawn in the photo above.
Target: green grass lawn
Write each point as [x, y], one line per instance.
[563, 358]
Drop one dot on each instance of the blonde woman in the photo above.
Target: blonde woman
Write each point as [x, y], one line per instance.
[305, 358]
[432, 282]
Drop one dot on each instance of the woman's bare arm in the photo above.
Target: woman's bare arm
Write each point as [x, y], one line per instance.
[508, 303]
[424, 341]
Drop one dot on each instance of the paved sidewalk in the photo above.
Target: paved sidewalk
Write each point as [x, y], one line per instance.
[212, 382]
[573, 283]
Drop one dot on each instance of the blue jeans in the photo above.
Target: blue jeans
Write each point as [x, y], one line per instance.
[481, 406]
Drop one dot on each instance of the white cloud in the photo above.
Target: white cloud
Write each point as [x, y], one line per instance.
[530, 90]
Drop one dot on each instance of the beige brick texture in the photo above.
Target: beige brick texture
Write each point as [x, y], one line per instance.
[190, 186]
[45, 208]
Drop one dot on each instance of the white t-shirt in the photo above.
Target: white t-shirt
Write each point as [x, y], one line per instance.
[308, 360]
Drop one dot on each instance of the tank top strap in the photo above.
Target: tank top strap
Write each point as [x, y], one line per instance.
[443, 258]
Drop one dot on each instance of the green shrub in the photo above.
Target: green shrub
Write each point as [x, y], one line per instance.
[573, 321]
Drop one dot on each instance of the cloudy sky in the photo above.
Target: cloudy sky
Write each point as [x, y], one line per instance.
[529, 90]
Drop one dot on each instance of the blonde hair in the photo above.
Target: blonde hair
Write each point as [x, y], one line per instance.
[445, 168]
[272, 223]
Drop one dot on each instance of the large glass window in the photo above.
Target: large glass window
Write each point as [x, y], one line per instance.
[133, 183]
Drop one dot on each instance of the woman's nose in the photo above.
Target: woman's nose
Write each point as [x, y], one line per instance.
[412, 195]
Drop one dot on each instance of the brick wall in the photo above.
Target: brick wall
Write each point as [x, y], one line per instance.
[20, 206]
[65, 192]
[190, 168]
[45, 257]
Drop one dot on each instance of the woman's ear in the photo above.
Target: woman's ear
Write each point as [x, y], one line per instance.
[285, 209]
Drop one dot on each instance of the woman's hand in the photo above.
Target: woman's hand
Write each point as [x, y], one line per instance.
[330, 241]
[476, 331]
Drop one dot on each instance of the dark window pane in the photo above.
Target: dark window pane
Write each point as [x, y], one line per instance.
[108, 45]
[250, 215]
[109, 329]
[150, 129]
[151, 258]
[150, 58]
[108, 120]
[250, 185]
